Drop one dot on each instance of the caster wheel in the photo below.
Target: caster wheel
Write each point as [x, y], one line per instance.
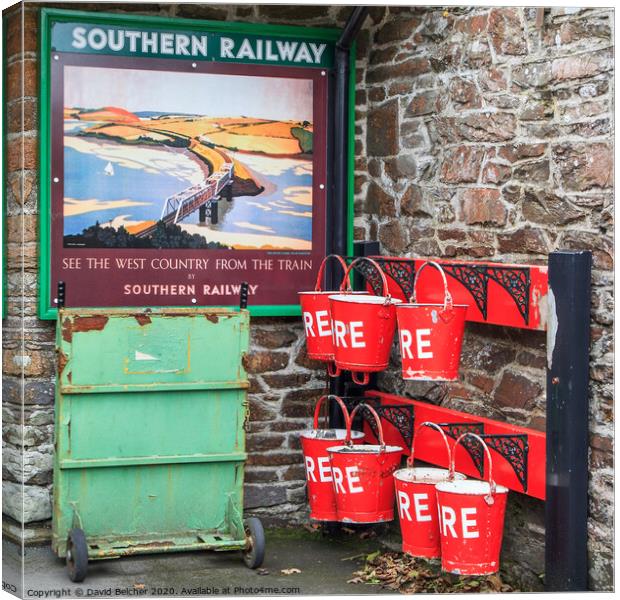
[254, 552]
[77, 555]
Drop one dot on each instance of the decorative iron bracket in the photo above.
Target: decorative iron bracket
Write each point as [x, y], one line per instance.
[399, 415]
[513, 448]
[454, 430]
[401, 271]
[369, 273]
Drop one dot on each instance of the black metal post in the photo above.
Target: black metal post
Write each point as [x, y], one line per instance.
[214, 211]
[340, 205]
[341, 131]
[202, 214]
[568, 349]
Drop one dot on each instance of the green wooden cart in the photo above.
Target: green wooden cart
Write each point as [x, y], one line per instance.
[151, 407]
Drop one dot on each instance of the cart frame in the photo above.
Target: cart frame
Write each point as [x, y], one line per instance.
[150, 417]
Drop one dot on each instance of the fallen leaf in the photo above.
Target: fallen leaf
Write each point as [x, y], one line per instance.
[291, 571]
[262, 571]
[356, 556]
[406, 574]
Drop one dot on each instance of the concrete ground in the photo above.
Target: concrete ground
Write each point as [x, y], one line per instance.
[326, 563]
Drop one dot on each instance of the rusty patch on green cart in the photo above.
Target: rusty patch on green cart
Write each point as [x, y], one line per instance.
[67, 332]
[62, 361]
[130, 547]
[93, 323]
[213, 318]
[143, 320]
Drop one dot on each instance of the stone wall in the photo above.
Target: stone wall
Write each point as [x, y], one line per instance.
[481, 135]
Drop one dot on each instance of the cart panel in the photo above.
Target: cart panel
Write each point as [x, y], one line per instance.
[167, 501]
[153, 424]
[112, 348]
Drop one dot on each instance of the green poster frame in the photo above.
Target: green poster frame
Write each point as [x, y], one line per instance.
[49, 16]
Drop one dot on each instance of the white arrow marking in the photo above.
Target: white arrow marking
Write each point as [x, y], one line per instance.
[144, 356]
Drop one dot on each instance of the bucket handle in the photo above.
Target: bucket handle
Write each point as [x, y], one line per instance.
[373, 412]
[363, 381]
[417, 432]
[489, 499]
[332, 369]
[319, 277]
[342, 405]
[447, 298]
[384, 282]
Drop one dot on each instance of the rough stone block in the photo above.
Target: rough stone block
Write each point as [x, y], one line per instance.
[544, 207]
[26, 504]
[397, 30]
[22, 153]
[263, 495]
[506, 31]
[415, 204]
[378, 201]
[393, 236]
[382, 130]
[29, 466]
[274, 338]
[264, 361]
[581, 66]
[425, 103]
[286, 380]
[483, 206]
[464, 94]
[527, 240]
[601, 246]
[461, 164]
[517, 391]
[584, 166]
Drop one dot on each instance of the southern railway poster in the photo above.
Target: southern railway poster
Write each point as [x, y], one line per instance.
[182, 159]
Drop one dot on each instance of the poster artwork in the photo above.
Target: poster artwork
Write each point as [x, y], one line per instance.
[147, 153]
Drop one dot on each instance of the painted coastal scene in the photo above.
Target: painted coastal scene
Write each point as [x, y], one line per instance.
[159, 159]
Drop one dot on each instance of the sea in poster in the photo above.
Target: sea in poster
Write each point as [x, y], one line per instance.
[143, 150]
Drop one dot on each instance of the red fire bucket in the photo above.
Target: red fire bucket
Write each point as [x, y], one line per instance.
[316, 315]
[314, 444]
[362, 477]
[363, 328]
[417, 502]
[471, 517]
[431, 335]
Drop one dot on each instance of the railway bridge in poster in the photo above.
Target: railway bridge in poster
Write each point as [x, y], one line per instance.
[203, 197]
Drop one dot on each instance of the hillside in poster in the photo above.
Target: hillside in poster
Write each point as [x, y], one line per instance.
[161, 159]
